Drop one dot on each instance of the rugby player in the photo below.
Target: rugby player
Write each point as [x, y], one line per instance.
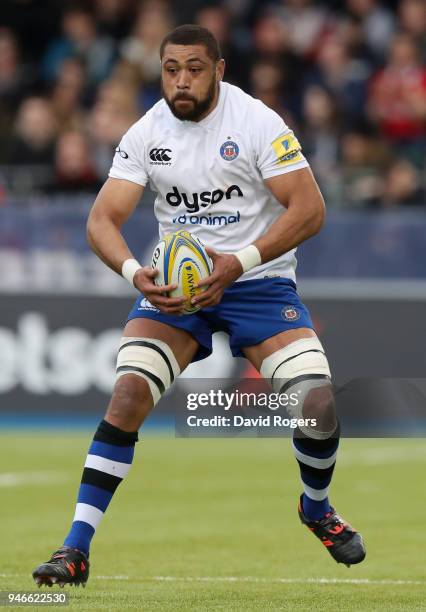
[227, 168]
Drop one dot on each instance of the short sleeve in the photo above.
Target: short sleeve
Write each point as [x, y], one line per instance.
[129, 159]
[276, 147]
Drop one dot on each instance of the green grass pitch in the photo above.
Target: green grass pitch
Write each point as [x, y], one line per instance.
[211, 524]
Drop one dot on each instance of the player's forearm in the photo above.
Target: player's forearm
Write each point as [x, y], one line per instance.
[113, 206]
[293, 227]
[107, 242]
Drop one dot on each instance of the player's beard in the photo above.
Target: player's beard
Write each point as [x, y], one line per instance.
[198, 108]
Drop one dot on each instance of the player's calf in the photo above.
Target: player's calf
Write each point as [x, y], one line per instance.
[302, 367]
[130, 403]
[153, 367]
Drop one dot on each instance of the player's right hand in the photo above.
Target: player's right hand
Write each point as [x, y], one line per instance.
[157, 296]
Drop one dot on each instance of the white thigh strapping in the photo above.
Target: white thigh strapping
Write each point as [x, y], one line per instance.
[299, 368]
[300, 358]
[150, 359]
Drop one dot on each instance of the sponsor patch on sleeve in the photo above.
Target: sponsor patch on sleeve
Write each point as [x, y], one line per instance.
[287, 149]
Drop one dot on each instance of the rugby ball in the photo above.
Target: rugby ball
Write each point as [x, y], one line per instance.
[181, 259]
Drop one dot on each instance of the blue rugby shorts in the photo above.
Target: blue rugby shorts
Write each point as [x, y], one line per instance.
[250, 311]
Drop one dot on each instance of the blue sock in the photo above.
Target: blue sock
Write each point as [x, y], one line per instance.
[108, 461]
[316, 459]
[313, 509]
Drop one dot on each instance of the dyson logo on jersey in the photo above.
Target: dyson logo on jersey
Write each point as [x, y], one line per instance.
[195, 200]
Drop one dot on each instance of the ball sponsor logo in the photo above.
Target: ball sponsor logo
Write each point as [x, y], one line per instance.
[190, 275]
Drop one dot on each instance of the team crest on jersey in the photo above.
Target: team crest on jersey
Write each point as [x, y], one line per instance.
[229, 150]
[289, 313]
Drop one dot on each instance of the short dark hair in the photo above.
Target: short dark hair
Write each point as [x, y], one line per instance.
[191, 34]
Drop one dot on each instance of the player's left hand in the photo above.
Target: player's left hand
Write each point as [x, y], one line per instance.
[226, 269]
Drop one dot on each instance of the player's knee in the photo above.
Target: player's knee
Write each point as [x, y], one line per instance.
[319, 406]
[131, 401]
[130, 392]
[301, 369]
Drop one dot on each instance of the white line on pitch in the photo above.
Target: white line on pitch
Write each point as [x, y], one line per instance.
[16, 479]
[254, 579]
[267, 580]
[381, 456]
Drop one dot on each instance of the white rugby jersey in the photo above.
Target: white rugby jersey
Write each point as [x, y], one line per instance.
[208, 175]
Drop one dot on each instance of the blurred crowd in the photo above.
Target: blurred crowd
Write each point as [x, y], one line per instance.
[349, 77]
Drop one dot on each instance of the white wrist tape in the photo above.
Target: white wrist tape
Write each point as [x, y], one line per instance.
[249, 257]
[129, 269]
